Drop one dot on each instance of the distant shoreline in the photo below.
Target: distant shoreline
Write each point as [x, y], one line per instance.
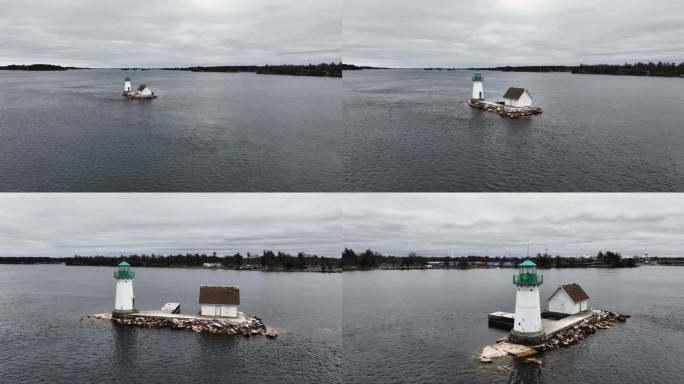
[37, 68]
[650, 69]
[311, 70]
[268, 261]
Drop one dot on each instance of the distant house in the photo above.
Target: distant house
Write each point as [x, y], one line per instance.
[212, 265]
[144, 90]
[568, 299]
[517, 97]
[219, 301]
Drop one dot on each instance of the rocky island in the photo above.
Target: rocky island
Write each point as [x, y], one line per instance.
[36, 67]
[218, 310]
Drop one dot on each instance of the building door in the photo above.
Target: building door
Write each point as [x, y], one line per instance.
[480, 95]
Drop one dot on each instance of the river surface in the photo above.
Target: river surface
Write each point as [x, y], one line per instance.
[46, 337]
[73, 131]
[409, 130]
[427, 326]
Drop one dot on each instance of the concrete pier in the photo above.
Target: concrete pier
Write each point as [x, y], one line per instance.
[242, 324]
[556, 332]
[504, 110]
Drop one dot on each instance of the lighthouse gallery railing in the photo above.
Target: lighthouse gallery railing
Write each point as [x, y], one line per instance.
[528, 278]
[124, 274]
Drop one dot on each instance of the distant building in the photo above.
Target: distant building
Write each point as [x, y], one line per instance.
[127, 84]
[517, 97]
[568, 299]
[212, 265]
[219, 301]
[144, 90]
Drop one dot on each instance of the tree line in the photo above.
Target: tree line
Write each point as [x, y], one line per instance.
[370, 259]
[319, 70]
[267, 260]
[663, 69]
[35, 67]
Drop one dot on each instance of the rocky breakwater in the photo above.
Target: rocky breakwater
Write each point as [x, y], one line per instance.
[564, 338]
[247, 326]
[504, 110]
[588, 326]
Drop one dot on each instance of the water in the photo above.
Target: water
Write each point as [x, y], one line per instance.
[427, 326]
[407, 130]
[44, 339]
[72, 131]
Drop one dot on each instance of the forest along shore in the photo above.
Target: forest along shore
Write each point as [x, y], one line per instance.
[370, 260]
[315, 70]
[268, 261]
[658, 69]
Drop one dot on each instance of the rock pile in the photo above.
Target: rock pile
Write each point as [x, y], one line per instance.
[250, 326]
[600, 320]
[504, 110]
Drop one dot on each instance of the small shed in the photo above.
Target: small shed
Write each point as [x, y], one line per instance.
[568, 299]
[144, 90]
[517, 97]
[219, 300]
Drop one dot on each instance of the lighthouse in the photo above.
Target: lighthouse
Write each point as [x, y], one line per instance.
[527, 327]
[478, 86]
[125, 301]
[127, 84]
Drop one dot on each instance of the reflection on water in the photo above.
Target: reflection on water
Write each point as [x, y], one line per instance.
[526, 372]
[125, 353]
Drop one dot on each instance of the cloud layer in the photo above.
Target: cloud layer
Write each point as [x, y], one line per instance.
[479, 33]
[503, 224]
[158, 33]
[430, 224]
[111, 224]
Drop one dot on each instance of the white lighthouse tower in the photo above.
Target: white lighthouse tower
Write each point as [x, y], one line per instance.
[125, 301]
[127, 85]
[478, 86]
[527, 328]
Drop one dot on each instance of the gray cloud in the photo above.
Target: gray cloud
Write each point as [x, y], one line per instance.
[481, 33]
[502, 224]
[430, 224]
[158, 33]
[87, 224]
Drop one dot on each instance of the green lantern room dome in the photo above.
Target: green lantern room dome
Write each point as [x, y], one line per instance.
[527, 263]
[477, 76]
[124, 271]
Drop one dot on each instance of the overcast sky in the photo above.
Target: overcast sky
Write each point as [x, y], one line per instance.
[499, 224]
[112, 224]
[482, 33]
[155, 33]
[429, 224]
